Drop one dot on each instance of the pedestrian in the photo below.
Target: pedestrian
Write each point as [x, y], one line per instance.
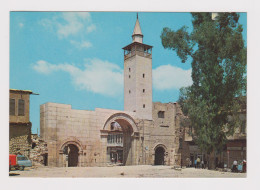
[244, 166]
[195, 163]
[187, 162]
[202, 164]
[234, 167]
[198, 162]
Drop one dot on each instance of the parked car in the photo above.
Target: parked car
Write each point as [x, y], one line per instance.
[23, 161]
[18, 162]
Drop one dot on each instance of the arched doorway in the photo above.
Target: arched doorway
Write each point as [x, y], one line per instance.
[159, 156]
[121, 140]
[70, 153]
[73, 155]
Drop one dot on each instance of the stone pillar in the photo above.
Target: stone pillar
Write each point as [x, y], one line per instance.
[60, 159]
[104, 134]
[80, 159]
[135, 155]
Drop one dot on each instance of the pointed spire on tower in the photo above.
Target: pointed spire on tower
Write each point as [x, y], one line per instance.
[137, 34]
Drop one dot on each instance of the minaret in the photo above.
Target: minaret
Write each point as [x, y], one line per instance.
[138, 75]
[137, 34]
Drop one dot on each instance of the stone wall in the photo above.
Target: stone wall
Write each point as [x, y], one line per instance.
[61, 125]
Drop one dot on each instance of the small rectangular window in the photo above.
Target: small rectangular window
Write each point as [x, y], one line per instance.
[143, 75]
[143, 90]
[129, 69]
[165, 126]
[160, 114]
[21, 107]
[129, 76]
[243, 127]
[143, 105]
[180, 143]
[12, 107]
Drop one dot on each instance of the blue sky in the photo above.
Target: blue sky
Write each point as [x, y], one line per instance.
[77, 58]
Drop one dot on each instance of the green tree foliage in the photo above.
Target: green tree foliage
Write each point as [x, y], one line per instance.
[218, 72]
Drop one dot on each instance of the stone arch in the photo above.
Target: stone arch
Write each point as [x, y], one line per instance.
[70, 152]
[121, 117]
[73, 141]
[160, 145]
[160, 152]
[130, 135]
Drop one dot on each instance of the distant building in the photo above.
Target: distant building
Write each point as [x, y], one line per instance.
[235, 149]
[19, 122]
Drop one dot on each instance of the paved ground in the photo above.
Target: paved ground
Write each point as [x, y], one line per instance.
[124, 171]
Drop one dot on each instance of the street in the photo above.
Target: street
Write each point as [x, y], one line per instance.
[140, 171]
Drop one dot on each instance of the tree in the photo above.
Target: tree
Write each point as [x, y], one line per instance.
[218, 55]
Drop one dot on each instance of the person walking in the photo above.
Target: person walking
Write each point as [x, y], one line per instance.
[187, 162]
[202, 164]
[195, 163]
[198, 162]
[234, 167]
[244, 166]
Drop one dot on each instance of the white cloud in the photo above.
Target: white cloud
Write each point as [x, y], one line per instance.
[91, 28]
[70, 23]
[106, 78]
[98, 76]
[168, 77]
[44, 67]
[81, 45]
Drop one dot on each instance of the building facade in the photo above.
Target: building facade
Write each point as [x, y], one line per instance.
[235, 148]
[19, 122]
[145, 132]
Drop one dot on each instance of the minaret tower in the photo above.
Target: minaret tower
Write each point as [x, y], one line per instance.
[138, 75]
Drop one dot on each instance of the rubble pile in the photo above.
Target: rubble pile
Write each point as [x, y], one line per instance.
[38, 150]
[20, 145]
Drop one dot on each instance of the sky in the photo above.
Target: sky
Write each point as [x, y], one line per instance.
[76, 58]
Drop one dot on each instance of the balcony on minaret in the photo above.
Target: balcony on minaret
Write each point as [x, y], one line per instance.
[137, 48]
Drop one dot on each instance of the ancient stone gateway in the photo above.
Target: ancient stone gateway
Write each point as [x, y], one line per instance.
[70, 152]
[122, 137]
[160, 152]
[129, 137]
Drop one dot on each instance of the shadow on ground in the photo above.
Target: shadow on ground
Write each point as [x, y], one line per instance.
[13, 174]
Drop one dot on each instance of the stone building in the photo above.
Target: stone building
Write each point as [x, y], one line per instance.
[145, 132]
[235, 149]
[19, 122]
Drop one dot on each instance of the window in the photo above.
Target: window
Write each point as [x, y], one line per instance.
[143, 75]
[129, 69]
[129, 91]
[129, 76]
[164, 126]
[21, 107]
[180, 143]
[243, 127]
[143, 90]
[12, 107]
[143, 105]
[160, 114]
